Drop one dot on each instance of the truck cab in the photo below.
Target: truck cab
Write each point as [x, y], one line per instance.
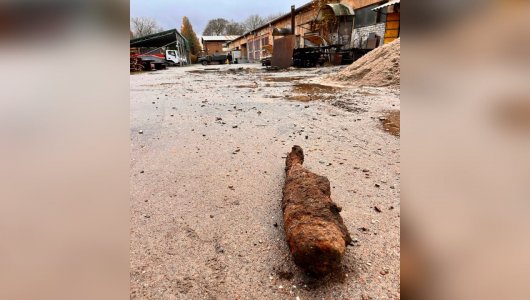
[175, 57]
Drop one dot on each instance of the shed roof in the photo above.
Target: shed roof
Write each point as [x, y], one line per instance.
[160, 39]
[387, 4]
[219, 38]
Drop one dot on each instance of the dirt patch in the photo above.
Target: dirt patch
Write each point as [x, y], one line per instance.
[240, 70]
[367, 94]
[204, 71]
[301, 98]
[306, 92]
[285, 274]
[313, 88]
[247, 86]
[391, 122]
[283, 79]
[349, 107]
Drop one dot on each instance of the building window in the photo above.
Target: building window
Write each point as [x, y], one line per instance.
[366, 16]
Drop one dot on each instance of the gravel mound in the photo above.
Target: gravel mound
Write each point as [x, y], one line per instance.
[378, 68]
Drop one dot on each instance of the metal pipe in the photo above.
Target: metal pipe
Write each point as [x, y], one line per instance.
[293, 15]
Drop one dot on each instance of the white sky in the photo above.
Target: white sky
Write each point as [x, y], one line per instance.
[169, 13]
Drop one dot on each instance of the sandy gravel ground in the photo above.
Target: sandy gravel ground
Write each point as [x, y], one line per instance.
[207, 173]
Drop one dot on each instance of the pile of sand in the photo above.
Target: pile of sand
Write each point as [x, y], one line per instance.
[379, 67]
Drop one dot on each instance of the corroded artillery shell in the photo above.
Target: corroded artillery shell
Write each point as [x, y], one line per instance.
[315, 230]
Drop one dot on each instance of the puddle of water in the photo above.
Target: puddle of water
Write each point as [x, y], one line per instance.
[391, 122]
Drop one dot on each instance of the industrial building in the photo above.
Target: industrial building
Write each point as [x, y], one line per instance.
[215, 44]
[347, 27]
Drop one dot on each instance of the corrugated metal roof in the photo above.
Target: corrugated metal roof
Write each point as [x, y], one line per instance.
[159, 39]
[387, 4]
[220, 38]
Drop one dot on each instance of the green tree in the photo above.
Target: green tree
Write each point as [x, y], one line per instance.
[187, 31]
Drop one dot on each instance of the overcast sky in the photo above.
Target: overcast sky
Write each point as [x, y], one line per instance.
[169, 13]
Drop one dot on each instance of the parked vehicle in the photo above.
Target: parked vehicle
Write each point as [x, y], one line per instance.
[215, 58]
[148, 62]
[266, 61]
[174, 57]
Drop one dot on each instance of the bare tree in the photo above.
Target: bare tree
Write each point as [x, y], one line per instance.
[253, 22]
[216, 27]
[269, 18]
[234, 28]
[144, 26]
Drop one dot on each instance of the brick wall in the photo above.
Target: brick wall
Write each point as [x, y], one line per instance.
[213, 47]
[359, 35]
